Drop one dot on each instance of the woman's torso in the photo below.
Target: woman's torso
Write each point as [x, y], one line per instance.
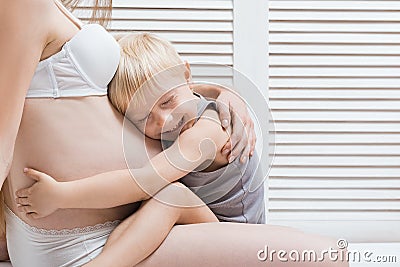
[71, 138]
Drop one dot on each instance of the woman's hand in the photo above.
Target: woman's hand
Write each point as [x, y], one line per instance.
[233, 112]
[42, 198]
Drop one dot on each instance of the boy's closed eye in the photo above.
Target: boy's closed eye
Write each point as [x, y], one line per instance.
[170, 100]
[167, 102]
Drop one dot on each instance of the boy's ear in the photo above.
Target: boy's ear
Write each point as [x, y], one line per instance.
[188, 73]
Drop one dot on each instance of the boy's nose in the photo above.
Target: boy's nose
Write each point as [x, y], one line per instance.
[163, 119]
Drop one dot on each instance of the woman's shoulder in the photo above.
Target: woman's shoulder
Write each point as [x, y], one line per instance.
[23, 15]
[25, 27]
[19, 7]
[28, 22]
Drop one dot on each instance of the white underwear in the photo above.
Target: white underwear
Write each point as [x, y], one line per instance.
[29, 246]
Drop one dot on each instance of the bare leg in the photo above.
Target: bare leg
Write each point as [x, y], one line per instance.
[140, 234]
[236, 245]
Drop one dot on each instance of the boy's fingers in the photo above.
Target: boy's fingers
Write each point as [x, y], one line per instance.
[33, 215]
[23, 192]
[22, 201]
[34, 174]
[25, 209]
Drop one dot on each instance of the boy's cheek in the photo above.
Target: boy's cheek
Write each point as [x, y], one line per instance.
[151, 132]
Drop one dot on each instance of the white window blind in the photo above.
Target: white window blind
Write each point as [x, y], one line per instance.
[334, 89]
[201, 30]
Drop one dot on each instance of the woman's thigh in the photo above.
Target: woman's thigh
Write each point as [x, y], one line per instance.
[233, 244]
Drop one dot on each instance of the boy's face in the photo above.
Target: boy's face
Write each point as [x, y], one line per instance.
[166, 113]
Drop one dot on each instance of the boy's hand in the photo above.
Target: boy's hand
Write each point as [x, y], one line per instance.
[42, 198]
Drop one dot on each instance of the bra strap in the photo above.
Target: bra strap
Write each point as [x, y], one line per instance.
[68, 14]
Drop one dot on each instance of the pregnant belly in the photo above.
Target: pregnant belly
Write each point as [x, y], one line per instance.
[71, 139]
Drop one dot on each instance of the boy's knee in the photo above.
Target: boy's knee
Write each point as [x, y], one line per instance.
[179, 184]
[175, 188]
[177, 194]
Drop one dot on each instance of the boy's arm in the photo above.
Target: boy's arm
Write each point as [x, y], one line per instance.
[104, 190]
[120, 187]
[114, 188]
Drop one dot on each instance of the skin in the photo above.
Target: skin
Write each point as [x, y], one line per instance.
[91, 148]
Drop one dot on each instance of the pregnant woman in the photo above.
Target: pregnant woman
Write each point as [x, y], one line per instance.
[55, 117]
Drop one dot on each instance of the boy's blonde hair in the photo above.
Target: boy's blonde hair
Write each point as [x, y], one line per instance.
[143, 55]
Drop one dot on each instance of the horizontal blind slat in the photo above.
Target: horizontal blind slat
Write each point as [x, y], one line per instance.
[352, 16]
[333, 61]
[195, 26]
[336, 104]
[334, 216]
[310, 71]
[333, 138]
[337, 172]
[340, 194]
[333, 94]
[337, 38]
[336, 82]
[343, 116]
[321, 204]
[388, 161]
[337, 149]
[195, 37]
[351, 27]
[164, 14]
[327, 182]
[335, 5]
[193, 4]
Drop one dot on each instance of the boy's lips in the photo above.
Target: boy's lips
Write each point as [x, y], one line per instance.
[176, 127]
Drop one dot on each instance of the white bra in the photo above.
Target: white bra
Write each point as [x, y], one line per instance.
[84, 66]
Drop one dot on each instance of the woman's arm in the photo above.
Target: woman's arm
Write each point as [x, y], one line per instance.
[23, 37]
[233, 112]
[120, 187]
